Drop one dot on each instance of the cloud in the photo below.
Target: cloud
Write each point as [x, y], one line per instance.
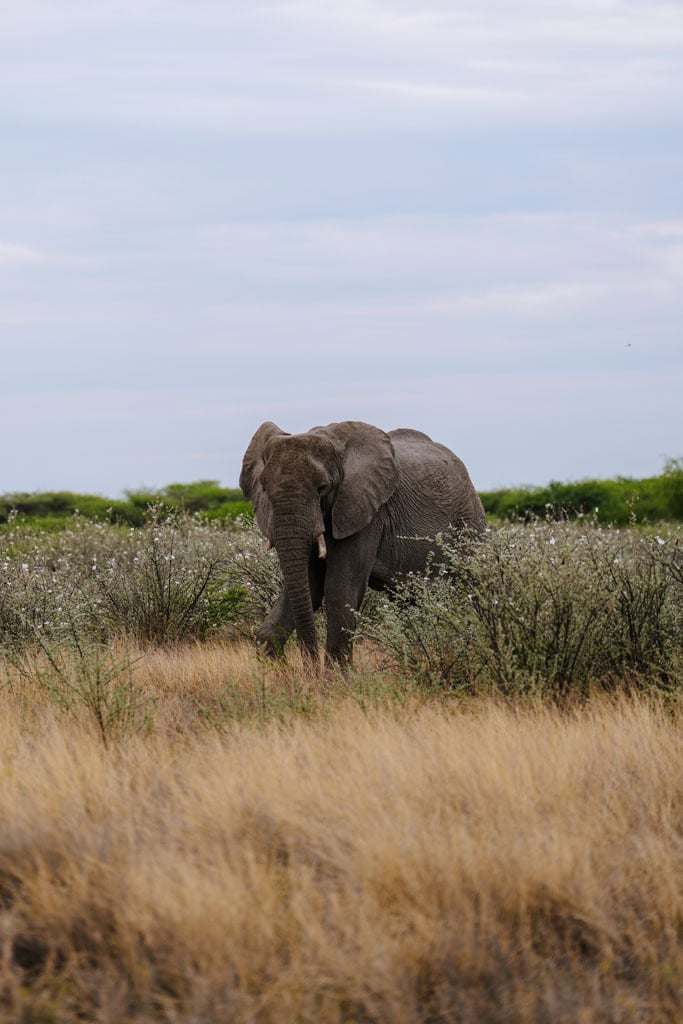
[467, 265]
[21, 256]
[662, 229]
[529, 300]
[431, 93]
[300, 66]
[383, 282]
[464, 217]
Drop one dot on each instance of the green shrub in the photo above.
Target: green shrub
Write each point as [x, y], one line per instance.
[60, 506]
[621, 501]
[57, 507]
[202, 496]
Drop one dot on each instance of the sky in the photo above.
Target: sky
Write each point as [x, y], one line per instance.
[464, 218]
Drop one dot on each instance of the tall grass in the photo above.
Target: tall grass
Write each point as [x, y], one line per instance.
[409, 863]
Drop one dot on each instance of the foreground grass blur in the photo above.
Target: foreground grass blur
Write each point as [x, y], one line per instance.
[275, 847]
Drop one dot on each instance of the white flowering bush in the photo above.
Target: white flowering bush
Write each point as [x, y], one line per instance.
[252, 572]
[548, 608]
[172, 579]
[551, 608]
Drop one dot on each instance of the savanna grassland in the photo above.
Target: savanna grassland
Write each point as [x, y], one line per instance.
[481, 821]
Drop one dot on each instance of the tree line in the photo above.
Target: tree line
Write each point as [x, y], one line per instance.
[620, 501]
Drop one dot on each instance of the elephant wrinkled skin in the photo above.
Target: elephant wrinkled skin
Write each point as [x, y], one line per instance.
[348, 506]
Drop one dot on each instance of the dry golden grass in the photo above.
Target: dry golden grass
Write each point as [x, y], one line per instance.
[404, 863]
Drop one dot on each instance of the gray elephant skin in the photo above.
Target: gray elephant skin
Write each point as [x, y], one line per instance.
[348, 506]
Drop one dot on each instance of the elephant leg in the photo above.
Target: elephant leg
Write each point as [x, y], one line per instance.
[348, 572]
[278, 625]
[341, 620]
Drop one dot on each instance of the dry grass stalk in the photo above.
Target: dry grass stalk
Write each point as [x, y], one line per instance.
[402, 864]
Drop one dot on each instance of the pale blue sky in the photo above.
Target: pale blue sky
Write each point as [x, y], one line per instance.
[466, 218]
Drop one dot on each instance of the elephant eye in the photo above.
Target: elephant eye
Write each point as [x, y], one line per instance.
[322, 488]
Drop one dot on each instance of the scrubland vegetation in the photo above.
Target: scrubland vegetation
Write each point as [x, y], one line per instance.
[555, 609]
[481, 821]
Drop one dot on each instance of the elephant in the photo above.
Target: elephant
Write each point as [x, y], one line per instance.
[347, 506]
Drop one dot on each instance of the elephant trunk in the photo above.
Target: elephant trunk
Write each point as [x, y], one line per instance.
[294, 545]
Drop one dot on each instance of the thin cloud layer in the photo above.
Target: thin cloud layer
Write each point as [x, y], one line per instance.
[330, 66]
[467, 218]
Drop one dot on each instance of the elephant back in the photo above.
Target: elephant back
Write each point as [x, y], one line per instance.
[435, 490]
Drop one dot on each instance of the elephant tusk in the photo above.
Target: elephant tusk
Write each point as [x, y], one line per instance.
[322, 550]
[268, 545]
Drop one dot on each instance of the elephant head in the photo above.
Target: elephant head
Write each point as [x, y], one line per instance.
[304, 487]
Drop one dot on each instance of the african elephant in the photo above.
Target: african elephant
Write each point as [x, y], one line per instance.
[348, 506]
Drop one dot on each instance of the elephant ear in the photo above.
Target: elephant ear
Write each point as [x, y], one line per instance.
[250, 477]
[369, 475]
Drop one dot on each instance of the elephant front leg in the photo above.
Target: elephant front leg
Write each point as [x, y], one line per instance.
[341, 622]
[278, 625]
[349, 565]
